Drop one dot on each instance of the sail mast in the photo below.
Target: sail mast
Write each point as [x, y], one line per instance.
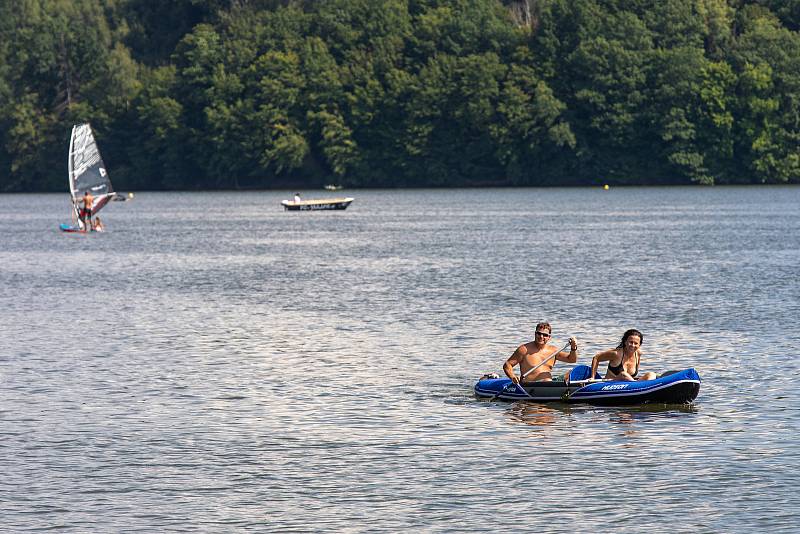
[71, 179]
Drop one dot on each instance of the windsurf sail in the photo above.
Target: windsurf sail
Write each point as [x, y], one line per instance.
[87, 172]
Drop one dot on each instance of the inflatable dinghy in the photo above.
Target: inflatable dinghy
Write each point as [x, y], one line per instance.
[672, 387]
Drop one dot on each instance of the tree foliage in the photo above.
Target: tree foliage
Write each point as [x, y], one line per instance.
[297, 93]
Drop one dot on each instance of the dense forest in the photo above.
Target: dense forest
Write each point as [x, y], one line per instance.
[240, 94]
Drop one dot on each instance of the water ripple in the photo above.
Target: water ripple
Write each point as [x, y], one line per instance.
[314, 372]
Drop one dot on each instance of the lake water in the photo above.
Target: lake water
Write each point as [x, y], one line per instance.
[212, 363]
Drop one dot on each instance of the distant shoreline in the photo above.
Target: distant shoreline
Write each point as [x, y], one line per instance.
[323, 191]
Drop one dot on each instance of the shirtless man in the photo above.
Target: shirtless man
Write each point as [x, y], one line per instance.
[86, 211]
[531, 354]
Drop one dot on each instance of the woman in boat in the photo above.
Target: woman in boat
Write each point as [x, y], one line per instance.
[623, 362]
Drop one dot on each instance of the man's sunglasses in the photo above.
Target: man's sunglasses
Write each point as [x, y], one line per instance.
[543, 334]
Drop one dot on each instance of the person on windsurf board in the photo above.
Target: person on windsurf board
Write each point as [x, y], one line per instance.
[85, 214]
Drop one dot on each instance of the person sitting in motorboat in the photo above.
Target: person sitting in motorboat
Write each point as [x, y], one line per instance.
[534, 353]
[297, 197]
[623, 361]
[98, 225]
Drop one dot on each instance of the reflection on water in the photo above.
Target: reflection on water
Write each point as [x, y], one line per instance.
[540, 414]
[532, 414]
[254, 369]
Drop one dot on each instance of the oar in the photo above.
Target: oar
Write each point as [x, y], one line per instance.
[582, 384]
[529, 371]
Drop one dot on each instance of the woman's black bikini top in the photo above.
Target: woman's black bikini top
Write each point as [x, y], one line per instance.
[617, 369]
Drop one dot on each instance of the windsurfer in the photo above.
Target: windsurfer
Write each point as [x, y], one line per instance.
[85, 214]
[529, 355]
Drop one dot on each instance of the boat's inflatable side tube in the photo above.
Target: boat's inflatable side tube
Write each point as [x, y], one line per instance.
[679, 387]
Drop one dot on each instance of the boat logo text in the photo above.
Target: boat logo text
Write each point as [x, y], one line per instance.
[613, 386]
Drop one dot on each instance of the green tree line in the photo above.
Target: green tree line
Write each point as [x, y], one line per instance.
[238, 94]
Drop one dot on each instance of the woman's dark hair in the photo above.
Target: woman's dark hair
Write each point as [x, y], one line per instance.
[629, 333]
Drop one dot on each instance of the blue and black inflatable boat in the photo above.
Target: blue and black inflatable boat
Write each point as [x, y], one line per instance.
[672, 387]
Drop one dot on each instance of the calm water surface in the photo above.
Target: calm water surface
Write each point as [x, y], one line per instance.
[213, 363]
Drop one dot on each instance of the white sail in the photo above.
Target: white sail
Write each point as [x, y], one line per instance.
[87, 172]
